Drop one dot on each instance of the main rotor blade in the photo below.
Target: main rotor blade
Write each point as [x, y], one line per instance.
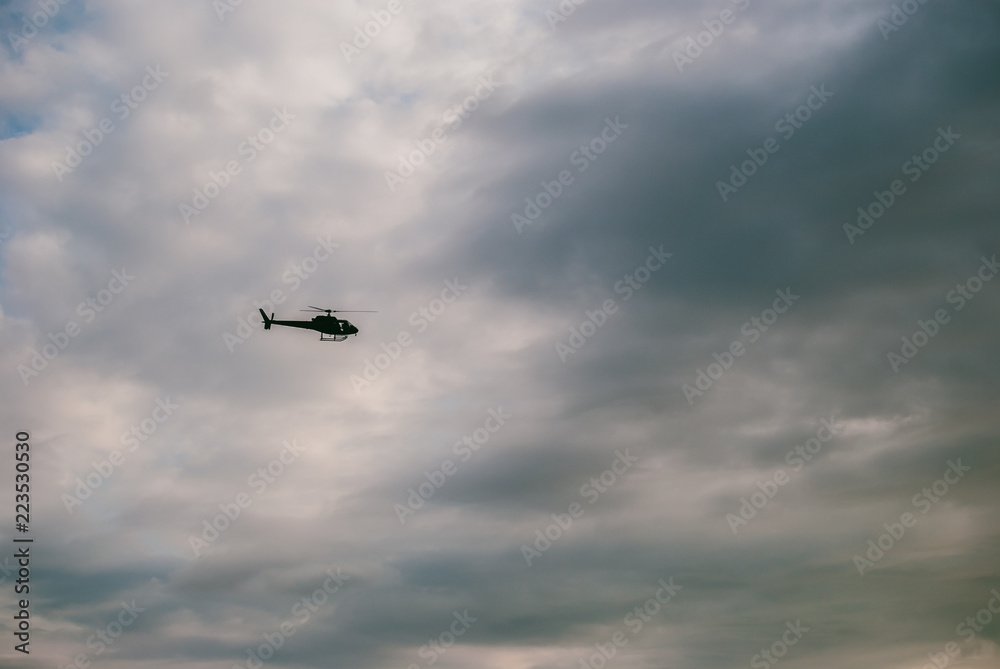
[339, 311]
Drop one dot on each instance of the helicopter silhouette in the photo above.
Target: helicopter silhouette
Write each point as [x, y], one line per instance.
[330, 328]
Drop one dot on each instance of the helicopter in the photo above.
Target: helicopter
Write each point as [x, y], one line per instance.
[330, 328]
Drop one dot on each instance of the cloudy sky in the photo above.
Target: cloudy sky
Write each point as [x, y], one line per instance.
[684, 353]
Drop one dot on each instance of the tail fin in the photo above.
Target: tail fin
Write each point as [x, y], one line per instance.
[267, 321]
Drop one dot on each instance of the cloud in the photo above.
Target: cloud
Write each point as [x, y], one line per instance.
[205, 136]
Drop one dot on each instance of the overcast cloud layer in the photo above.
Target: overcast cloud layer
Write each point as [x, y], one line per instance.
[634, 340]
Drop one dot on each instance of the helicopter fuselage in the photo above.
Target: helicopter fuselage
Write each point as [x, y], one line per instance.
[330, 325]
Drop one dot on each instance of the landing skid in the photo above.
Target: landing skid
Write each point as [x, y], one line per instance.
[324, 337]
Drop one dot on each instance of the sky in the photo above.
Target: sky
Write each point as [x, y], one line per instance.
[683, 353]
